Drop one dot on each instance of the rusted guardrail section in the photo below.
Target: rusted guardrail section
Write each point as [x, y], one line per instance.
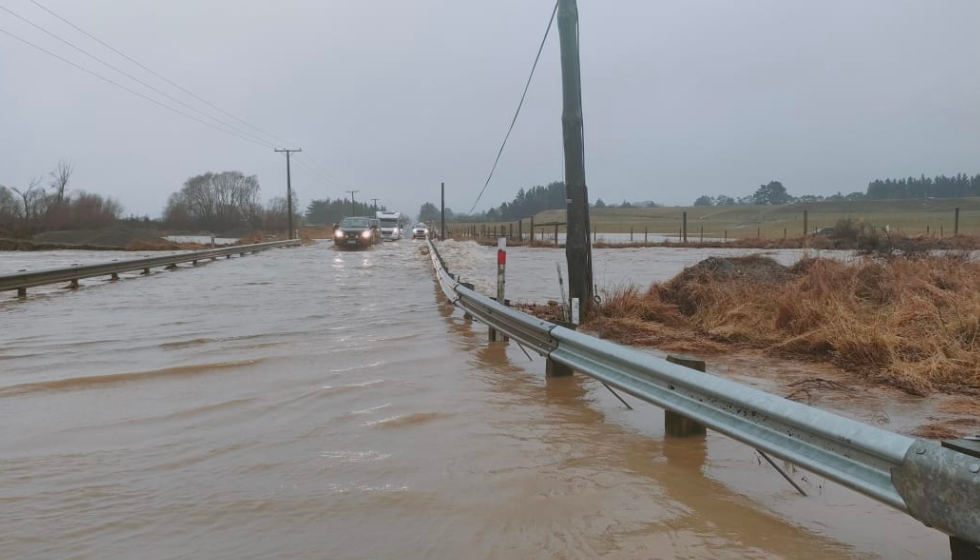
[938, 485]
[21, 281]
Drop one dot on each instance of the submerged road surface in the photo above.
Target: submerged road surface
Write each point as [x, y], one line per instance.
[307, 404]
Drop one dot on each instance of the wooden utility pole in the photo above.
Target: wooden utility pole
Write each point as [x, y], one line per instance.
[353, 208]
[289, 188]
[442, 214]
[375, 201]
[578, 251]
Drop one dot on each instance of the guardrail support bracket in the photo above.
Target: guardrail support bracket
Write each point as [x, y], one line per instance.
[676, 425]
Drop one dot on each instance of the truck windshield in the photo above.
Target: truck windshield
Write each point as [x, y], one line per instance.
[389, 223]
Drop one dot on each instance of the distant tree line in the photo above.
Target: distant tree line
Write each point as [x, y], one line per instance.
[32, 208]
[941, 186]
[330, 211]
[224, 202]
[599, 203]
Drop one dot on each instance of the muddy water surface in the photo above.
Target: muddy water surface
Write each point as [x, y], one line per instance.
[305, 403]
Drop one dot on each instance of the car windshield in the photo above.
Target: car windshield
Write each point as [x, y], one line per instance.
[420, 226]
[355, 223]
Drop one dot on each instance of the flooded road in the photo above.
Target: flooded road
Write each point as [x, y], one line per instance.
[305, 403]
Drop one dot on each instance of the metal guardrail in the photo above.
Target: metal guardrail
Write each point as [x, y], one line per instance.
[20, 281]
[938, 486]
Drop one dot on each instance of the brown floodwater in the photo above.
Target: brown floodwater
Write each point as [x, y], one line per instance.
[306, 404]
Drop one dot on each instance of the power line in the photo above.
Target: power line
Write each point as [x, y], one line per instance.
[518, 111]
[313, 172]
[320, 167]
[132, 91]
[134, 78]
[320, 172]
[172, 83]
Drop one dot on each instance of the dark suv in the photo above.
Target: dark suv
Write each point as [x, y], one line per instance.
[357, 233]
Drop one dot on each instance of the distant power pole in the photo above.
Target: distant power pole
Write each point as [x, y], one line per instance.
[578, 251]
[442, 227]
[353, 209]
[375, 201]
[289, 188]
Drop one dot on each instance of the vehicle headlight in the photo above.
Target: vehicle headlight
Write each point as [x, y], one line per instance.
[366, 234]
[338, 233]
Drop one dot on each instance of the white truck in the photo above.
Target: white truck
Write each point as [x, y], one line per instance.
[391, 226]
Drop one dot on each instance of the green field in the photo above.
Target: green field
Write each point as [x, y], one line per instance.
[911, 217]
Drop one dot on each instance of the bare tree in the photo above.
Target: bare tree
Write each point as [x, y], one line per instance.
[28, 195]
[60, 177]
[216, 202]
[9, 207]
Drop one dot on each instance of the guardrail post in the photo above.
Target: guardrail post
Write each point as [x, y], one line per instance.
[146, 272]
[73, 284]
[555, 369]
[22, 292]
[959, 548]
[501, 279]
[676, 425]
[114, 277]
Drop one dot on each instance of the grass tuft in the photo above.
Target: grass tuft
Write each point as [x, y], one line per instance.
[909, 322]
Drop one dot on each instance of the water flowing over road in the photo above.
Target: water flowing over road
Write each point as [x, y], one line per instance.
[307, 403]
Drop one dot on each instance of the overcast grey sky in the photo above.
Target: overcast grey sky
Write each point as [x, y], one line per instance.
[391, 97]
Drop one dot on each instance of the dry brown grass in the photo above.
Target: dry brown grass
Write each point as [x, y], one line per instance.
[911, 323]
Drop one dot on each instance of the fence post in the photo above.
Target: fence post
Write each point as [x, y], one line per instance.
[532, 231]
[556, 234]
[702, 235]
[726, 236]
[595, 233]
[631, 234]
[956, 222]
[676, 425]
[520, 229]
[646, 234]
[685, 227]
[806, 219]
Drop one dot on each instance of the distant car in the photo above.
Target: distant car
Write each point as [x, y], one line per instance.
[420, 231]
[357, 233]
